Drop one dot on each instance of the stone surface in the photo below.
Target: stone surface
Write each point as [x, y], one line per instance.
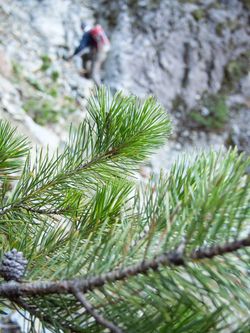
[5, 63]
[178, 55]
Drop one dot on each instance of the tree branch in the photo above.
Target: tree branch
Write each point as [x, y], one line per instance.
[89, 308]
[176, 258]
[219, 250]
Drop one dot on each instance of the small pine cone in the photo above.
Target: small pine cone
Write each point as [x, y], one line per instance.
[13, 265]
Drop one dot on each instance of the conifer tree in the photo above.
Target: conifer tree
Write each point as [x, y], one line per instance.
[85, 248]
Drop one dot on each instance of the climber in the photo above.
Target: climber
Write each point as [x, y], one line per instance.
[98, 44]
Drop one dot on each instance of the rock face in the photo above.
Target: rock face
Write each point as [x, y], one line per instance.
[192, 55]
[175, 49]
[35, 80]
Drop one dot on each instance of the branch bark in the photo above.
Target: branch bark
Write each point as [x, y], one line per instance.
[99, 319]
[176, 258]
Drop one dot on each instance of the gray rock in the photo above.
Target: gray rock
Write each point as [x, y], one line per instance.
[43, 135]
[171, 53]
[14, 110]
[5, 63]
[245, 87]
[239, 134]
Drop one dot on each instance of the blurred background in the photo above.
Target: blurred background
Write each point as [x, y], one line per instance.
[192, 55]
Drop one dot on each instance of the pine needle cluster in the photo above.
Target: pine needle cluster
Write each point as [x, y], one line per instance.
[105, 253]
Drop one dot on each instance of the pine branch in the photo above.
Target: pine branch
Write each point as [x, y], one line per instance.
[122, 137]
[175, 258]
[16, 291]
[103, 237]
[89, 308]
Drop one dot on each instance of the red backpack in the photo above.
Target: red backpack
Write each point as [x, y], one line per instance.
[99, 37]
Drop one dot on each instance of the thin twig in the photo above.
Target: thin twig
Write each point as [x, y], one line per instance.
[21, 314]
[87, 165]
[40, 315]
[99, 319]
[45, 211]
[33, 210]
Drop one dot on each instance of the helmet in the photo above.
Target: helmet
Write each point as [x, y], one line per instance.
[83, 25]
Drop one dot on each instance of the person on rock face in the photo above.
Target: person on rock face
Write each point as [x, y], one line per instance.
[96, 40]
